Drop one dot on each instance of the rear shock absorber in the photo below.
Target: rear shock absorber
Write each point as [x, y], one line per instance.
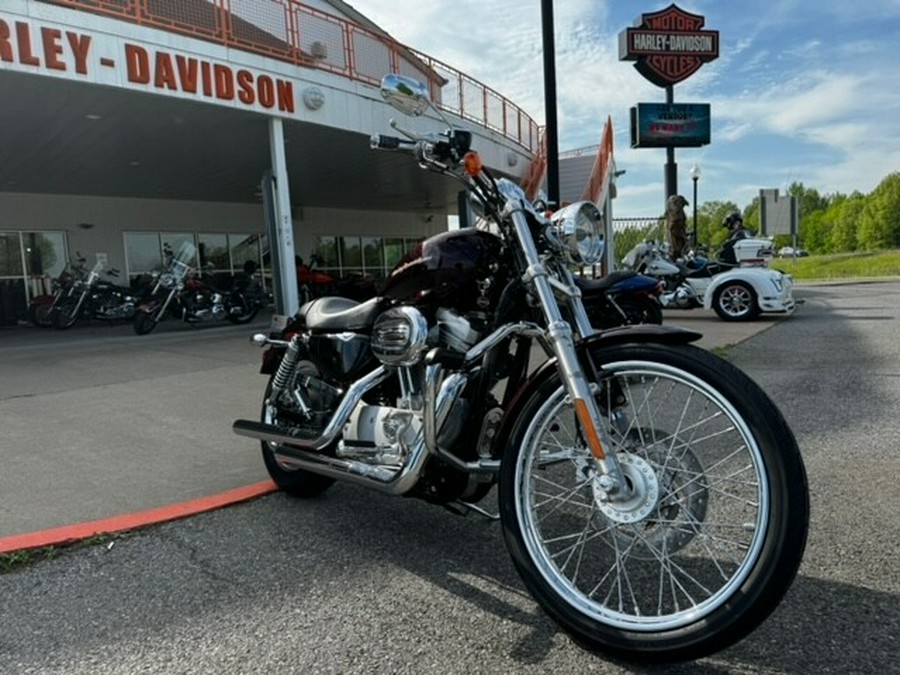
[286, 371]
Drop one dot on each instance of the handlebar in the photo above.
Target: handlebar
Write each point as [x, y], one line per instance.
[382, 142]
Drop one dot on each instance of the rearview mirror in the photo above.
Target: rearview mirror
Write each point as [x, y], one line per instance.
[407, 95]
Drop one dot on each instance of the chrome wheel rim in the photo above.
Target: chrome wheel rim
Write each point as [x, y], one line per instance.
[664, 566]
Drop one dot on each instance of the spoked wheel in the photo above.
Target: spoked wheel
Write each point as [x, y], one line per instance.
[707, 536]
[736, 301]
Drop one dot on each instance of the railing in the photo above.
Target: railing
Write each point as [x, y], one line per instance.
[289, 31]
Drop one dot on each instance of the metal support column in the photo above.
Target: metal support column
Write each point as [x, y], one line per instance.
[283, 269]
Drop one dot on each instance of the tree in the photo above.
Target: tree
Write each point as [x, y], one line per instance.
[879, 220]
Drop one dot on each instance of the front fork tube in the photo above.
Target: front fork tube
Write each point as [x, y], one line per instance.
[560, 338]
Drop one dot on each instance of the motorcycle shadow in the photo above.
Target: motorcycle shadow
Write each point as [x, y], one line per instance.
[822, 625]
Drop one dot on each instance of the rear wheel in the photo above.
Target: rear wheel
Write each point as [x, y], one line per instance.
[735, 301]
[242, 311]
[712, 528]
[40, 314]
[289, 478]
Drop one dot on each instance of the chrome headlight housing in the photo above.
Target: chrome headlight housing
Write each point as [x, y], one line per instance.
[580, 227]
[399, 336]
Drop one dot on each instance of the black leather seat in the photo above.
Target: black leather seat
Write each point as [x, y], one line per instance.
[336, 314]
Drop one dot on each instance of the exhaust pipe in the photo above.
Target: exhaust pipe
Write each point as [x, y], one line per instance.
[299, 452]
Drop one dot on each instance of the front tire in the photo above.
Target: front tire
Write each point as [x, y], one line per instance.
[65, 314]
[710, 537]
[144, 321]
[736, 301]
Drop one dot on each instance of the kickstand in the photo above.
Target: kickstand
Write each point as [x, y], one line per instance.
[460, 509]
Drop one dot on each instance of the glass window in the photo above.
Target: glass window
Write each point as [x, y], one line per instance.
[394, 250]
[351, 253]
[45, 253]
[373, 257]
[327, 252]
[10, 255]
[213, 252]
[244, 247]
[142, 253]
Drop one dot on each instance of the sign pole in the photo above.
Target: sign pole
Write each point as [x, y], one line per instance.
[551, 129]
[671, 166]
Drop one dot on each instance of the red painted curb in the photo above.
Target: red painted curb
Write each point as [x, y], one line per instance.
[129, 521]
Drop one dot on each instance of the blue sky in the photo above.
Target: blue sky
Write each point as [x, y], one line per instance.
[803, 90]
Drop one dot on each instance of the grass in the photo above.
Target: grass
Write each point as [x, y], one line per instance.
[10, 562]
[835, 266]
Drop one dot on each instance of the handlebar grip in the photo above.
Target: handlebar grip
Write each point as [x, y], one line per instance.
[385, 142]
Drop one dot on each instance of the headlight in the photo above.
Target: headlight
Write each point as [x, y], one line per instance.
[398, 336]
[580, 227]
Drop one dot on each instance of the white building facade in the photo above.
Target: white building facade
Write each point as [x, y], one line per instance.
[130, 124]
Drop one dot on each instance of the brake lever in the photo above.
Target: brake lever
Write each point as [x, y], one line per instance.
[409, 134]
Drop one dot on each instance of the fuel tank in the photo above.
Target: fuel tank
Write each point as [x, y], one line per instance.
[461, 269]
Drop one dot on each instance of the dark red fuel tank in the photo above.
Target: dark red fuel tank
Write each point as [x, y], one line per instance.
[460, 269]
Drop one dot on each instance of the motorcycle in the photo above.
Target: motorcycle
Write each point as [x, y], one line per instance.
[621, 298]
[94, 298]
[40, 309]
[652, 497]
[177, 292]
[739, 292]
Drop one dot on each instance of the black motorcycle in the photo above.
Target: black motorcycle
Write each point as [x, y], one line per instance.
[182, 295]
[94, 298]
[652, 497]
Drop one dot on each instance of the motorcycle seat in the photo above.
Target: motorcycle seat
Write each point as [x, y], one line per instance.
[335, 314]
[598, 286]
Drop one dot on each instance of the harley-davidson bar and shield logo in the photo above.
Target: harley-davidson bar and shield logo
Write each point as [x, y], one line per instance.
[668, 46]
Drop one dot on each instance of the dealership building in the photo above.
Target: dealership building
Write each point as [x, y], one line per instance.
[127, 125]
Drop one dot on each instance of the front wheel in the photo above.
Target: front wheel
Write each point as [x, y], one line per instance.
[707, 536]
[65, 314]
[735, 301]
[145, 321]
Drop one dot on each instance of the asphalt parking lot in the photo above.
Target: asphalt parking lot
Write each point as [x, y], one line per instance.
[359, 583]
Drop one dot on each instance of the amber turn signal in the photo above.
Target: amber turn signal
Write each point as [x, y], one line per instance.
[472, 162]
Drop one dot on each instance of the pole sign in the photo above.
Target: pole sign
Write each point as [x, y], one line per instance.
[668, 46]
[663, 125]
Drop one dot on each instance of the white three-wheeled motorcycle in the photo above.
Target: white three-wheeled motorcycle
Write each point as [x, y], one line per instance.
[736, 292]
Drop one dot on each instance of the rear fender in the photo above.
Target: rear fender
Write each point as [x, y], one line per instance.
[621, 335]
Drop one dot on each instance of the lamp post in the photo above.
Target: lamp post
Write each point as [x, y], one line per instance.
[695, 176]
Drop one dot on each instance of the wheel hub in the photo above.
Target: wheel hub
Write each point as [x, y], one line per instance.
[640, 498]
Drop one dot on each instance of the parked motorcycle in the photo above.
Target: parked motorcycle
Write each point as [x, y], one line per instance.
[94, 298]
[180, 294]
[621, 298]
[40, 309]
[735, 292]
[652, 497]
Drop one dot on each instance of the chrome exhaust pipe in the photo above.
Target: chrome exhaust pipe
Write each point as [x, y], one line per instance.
[300, 453]
[272, 433]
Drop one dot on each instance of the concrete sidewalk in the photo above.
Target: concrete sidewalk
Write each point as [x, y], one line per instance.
[97, 422]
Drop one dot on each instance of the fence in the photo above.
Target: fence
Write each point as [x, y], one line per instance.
[306, 37]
